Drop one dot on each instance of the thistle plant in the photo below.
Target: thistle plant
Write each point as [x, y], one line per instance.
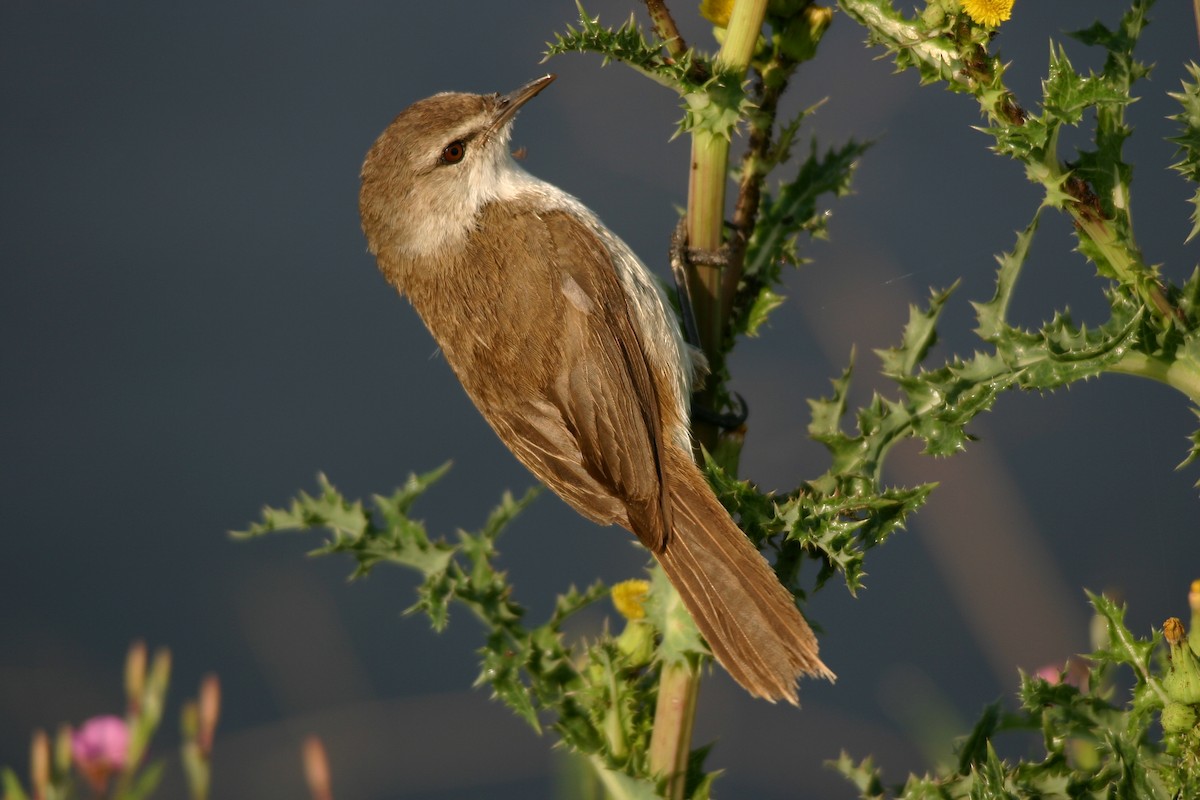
[109, 752]
[624, 697]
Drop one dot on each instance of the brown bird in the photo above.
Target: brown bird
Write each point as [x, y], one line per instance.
[563, 340]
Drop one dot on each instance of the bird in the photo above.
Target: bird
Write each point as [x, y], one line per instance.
[563, 340]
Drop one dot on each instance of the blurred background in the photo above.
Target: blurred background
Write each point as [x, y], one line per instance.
[190, 327]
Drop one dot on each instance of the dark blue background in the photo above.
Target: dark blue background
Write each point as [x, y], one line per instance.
[190, 327]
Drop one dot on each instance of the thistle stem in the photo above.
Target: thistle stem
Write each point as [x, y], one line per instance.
[709, 173]
[1196, 11]
[1178, 374]
[678, 687]
[679, 683]
[667, 30]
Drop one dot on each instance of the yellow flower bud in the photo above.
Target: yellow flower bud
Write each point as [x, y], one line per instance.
[629, 597]
[1182, 681]
[1173, 631]
[717, 12]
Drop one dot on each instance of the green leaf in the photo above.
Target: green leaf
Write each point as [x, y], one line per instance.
[976, 748]
[863, 774]
[717, 106]
[625, 787]
[1193, 446]
[794, 207]
[920, 334]
[993, 315]
[12, 786]
[1123, 647]
[628, 45]
[1188, 139]
[501, 670]
[826, 422]
[1067, 94]
[766, 302]
[665, 610]
[147, 781]
[911, 41]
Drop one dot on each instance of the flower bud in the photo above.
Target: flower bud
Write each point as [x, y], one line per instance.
[209, 711]
[1178, 718]
[629, 597]
[717, 12]
[636, 642]
[62, 750]
[135, 677]
[39, 765]
[1182, 681]
[801, 36]
[934, 15]
[316, 769]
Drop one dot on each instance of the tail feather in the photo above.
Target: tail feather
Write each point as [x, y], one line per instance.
[749, 620]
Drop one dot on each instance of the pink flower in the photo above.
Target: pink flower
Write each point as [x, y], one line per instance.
[1076, 670]
[100, 748]
[1050, 674]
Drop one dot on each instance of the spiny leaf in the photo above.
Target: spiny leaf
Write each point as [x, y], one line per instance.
[919, 335]
[500, 670]
[717, 106]
[1193, 448]
[1067, 94]
[1188, 139]
[911, 41]
[766, 302]
[680, 638]
[1123, 647]
[794, 207]
[993, 315]
[827, 412]
[626, 44]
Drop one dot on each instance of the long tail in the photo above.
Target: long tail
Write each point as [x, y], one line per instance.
[749, 620]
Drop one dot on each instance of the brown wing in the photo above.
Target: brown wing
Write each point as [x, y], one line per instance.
[584, 418]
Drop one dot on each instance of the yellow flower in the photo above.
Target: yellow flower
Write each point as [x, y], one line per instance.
[628, 597]
[717, 11]
[988, 12]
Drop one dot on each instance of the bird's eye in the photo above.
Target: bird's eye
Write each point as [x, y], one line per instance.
[454, 152]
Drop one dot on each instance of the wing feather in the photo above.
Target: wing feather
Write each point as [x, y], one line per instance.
[590, 428]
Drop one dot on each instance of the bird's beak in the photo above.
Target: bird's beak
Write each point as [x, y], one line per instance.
[508, 104]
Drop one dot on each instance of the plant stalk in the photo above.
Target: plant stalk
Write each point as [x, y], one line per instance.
[1181, 374]
[667, 30]
[678, 687]
[679, 683]
[707, 180]
[1196, 12]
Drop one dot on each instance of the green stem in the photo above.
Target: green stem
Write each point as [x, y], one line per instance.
[617, 785]
[1180, 374]
[709, 174]
[678, 687]
[1196, 11]
[706, 216]
[741, 37]
[1129, 269]
[679, 683]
